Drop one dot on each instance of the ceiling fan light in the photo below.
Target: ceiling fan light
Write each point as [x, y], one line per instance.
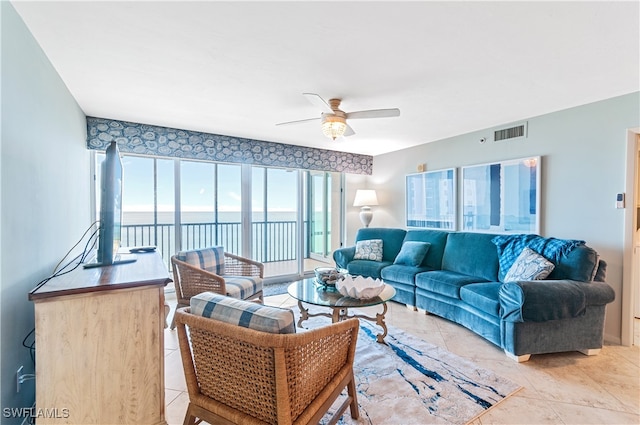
[333, 126]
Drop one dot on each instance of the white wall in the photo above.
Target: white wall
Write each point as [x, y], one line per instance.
[44, 190]
[583, 167]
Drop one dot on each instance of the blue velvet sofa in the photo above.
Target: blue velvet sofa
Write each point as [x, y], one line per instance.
[461, 279]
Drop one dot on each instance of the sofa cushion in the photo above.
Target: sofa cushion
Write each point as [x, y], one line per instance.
[529, 266]
[367, 267]
[471, 254]
[580, 264]
[412, 253]
[445, 282]
[483, 296]
[209, 259]
[391, 239]
[401, 273]
[601, 271]
[243, 313]
[370, 249]
[437, 239]
[242, 287]
[510, 246]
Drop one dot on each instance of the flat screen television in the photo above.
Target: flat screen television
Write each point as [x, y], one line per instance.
[109, 233]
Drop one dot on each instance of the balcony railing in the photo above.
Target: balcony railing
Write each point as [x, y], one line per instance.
[271, 240]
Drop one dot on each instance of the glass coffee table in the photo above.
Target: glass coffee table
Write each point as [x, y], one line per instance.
[309, 291]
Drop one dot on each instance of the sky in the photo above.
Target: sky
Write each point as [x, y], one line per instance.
[197, 186]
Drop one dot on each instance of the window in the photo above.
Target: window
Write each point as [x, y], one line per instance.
[148, 213]
[274, 213]
[210, 207]
[259, 212]
[319, 215]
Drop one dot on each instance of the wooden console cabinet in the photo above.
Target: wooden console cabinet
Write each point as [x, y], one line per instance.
[100, 344]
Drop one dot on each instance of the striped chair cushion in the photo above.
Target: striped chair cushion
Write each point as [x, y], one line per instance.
[243, 313]
[209, 259]
[242, 287]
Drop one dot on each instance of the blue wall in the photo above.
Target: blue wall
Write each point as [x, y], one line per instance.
[44, 191]
[584, 161]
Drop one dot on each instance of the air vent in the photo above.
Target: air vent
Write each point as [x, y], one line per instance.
[510, 133]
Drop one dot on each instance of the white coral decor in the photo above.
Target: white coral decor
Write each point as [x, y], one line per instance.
[360, 287]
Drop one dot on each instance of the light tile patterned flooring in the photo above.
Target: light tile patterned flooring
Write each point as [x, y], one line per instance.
[565, 388]
[279, 268]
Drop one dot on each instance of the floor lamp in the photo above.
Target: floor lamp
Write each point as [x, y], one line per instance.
[365, 198]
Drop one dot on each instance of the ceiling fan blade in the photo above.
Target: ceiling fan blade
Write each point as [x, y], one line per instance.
[318, 102]
[349, 131]
[298, 121]
[374, 113]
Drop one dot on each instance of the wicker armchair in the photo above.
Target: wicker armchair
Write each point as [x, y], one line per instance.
[237, 375]
[190, 279]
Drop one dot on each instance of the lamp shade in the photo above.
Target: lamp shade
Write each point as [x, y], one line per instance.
[333, 126]
[365, 197]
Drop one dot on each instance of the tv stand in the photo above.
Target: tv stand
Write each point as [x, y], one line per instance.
[100, 344]
[120, 259]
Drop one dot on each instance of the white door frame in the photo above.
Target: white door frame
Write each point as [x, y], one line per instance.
[629, 285]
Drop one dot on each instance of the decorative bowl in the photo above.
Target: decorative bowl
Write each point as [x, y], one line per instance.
[328, 276]
[360, 287]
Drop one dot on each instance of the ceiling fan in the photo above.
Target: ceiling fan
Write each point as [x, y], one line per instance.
[334, 121]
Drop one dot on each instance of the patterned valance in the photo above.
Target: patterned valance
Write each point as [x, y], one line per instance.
[170, 142]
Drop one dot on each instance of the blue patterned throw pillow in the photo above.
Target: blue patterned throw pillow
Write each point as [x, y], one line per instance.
[370, 249]
[529, 266]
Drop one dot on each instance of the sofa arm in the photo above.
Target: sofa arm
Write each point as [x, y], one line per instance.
[343, 256]
[542, 300]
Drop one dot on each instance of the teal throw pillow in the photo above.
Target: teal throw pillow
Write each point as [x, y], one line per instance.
[412, 253]
[370, 249]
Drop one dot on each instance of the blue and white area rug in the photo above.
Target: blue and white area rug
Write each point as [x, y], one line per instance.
[275, 289]
[409, 381]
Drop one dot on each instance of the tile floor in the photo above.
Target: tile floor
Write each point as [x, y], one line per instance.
[565, 388]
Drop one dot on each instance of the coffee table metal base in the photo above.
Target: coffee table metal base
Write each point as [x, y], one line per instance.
[342, 313]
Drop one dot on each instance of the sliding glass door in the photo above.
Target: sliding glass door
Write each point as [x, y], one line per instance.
[274, 214]
[210, 206]
[286, 219]
[319, 215]
[148, 213]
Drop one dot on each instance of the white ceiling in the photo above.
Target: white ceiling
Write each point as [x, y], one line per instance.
[238, 68]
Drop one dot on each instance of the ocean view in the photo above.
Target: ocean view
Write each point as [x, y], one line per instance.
[168, 217]
[275, 240]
